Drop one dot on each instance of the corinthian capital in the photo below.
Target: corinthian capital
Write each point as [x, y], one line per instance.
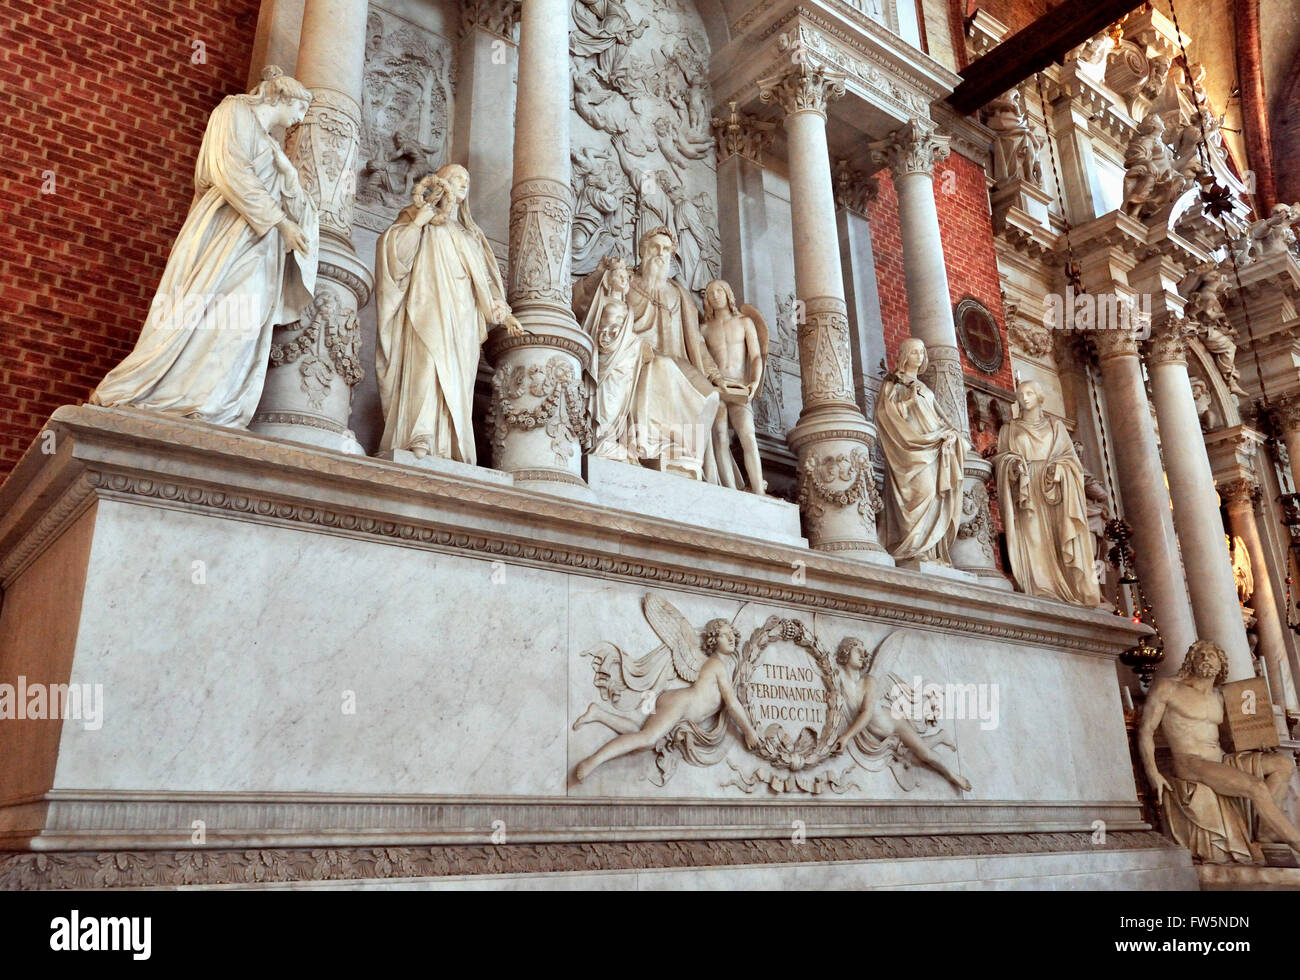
[1169, 343]
[912, 149]
[1240, 490]
[802, 89]
[742, 135]
[499, 17]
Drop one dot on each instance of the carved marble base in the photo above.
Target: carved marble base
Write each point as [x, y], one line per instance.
[671, 497]
[304, 650]
[973, 551]
[934, 568]
[448, 467]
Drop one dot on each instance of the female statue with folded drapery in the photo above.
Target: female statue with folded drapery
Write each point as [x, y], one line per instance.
[437, 287]
[243, 263]
[924, 456]
[1044, 505]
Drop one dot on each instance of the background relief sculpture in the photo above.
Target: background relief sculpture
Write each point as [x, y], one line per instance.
[643, 149]
[795, 706]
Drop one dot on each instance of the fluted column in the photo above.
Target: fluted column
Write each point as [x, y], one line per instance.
[316, 362]
[911, 154]
[1142, 486]
[538, 421]
[1206, 562]
[1241, 496]
[837, 489]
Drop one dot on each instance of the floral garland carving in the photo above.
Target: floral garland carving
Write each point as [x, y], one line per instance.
[861, 492]
[562, 411]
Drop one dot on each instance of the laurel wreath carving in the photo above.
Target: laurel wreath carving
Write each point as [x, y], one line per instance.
[778, 749]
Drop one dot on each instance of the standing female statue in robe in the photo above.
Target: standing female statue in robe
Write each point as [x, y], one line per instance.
[924, 456]
[437, 287]
[1044, 505]
[243, 263]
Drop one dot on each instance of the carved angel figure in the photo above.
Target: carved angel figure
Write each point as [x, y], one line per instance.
[689, 721]
[881, 730]
[737, 337]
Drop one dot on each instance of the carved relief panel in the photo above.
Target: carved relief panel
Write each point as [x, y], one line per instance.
[643, 148]
[406, 113]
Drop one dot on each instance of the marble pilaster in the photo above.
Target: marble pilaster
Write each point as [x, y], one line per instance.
[540, 430]
[315, 363]
[837, 489]
[1207, 564]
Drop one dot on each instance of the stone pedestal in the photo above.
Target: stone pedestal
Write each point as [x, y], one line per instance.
[837, 489]
[316, 363]
[975, 550]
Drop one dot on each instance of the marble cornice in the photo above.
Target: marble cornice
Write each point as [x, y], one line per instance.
[879, 66]
[154, 461]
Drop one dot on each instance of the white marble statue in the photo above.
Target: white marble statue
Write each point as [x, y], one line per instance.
[243, 263]
[1044, 506]
[1205, 801]
[437, 287]
[924, 456]
[737, 338]
[616, 366]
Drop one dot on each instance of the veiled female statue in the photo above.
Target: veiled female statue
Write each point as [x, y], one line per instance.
[617, 363]
[924, 456]
[437, 287]
[1044, 505]
[243, 263]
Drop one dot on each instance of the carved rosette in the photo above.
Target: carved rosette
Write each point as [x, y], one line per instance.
[913, 149]
[838, 497]
[825, 360]
[803, 89]
[1168, 345]
[499, 18]
[541, 222]
[326, 148]
[538, 419]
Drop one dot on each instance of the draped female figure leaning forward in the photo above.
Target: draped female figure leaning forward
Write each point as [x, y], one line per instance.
[243, 263]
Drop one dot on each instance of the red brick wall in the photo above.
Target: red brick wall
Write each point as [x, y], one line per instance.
[106, 94]
[967, 232]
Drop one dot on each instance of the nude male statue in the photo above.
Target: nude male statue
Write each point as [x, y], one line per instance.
[1188, 708]
[736, 337]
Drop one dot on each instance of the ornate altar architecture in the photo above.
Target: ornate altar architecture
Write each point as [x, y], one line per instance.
[803, 459]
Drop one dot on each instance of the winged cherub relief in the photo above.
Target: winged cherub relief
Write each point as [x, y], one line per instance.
[682, 698]
[691, 720]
